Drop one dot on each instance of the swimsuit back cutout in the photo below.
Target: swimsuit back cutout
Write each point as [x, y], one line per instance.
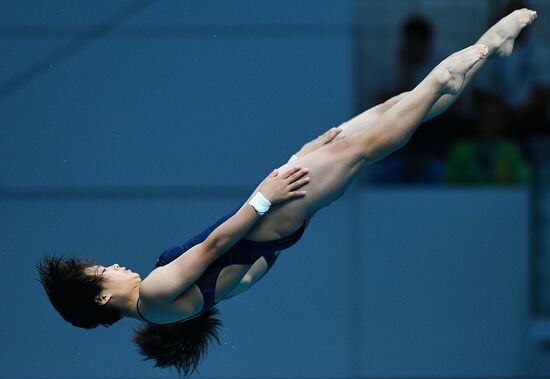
[244, 252]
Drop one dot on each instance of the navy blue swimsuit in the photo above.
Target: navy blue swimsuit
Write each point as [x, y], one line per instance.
[244, 252]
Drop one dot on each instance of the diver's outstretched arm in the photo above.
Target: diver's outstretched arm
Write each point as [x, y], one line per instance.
[169, 281]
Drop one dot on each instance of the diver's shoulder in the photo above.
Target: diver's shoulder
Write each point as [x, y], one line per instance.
[149, 289]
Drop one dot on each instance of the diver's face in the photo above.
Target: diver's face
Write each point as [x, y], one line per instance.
[118, 281]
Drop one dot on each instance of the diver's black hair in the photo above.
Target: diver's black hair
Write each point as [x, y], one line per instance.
[180, 345]
[72, 292]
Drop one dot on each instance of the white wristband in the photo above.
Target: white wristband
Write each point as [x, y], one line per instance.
[260, 203]
[293, 157]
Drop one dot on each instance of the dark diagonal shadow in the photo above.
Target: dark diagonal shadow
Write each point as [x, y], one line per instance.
[78, 43]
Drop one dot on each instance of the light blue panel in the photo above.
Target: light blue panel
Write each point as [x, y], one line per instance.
[445, 282]
[30, 30]
[292, 323]
[171, 112]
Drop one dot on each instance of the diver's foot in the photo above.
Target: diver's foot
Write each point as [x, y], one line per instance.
[500, 37]
[449, 75]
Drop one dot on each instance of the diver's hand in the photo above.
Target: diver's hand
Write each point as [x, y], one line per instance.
[279, 187]
[324, 139]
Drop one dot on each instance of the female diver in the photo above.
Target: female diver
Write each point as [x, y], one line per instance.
[176, 300]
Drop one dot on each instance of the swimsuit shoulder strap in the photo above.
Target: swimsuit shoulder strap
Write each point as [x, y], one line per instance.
[141, 314]
[154, 323]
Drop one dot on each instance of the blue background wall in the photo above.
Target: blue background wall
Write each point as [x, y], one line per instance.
[119, 146]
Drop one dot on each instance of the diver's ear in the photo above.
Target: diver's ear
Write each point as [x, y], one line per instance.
[102, 298]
